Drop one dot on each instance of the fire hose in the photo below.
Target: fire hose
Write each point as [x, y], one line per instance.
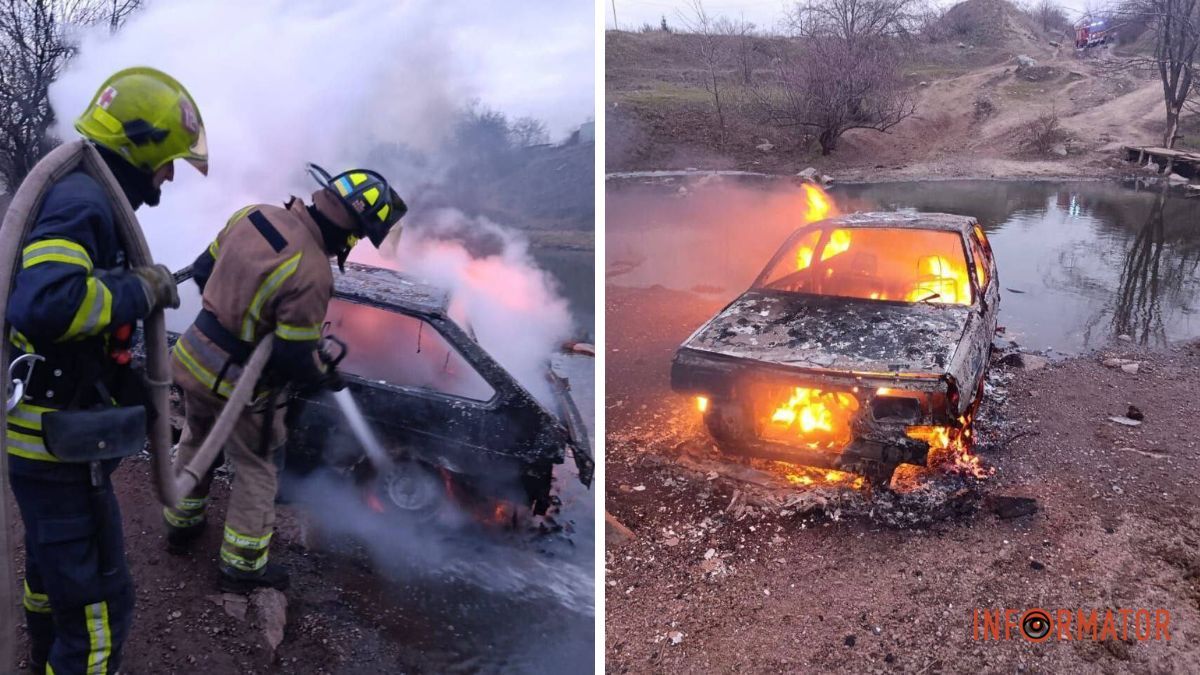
[171, 486]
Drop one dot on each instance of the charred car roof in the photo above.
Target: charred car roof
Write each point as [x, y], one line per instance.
[913, 220]
[389, 289]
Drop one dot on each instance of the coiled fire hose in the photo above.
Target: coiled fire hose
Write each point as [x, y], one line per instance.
[171, 485]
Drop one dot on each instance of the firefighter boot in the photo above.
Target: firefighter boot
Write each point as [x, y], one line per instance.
[185, 523]
[272, 575]
[179, 539]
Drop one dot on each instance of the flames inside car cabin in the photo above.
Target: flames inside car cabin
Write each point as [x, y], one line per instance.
[884, 264]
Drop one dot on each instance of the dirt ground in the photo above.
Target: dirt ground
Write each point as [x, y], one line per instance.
[724, 574]
[181, 626]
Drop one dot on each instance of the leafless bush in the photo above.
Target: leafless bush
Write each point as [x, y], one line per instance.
[1044, 133]
[984, 108]
[825, 87]
[34, 46]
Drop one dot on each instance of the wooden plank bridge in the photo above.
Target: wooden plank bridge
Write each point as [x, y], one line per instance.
[1168, 160]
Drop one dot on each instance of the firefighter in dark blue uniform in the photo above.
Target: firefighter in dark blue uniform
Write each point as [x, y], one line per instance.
[74, 303]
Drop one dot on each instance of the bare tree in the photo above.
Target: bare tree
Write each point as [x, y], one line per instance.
[853, 21]
[1175, 26]
[740, 35]
[827, 87]
[1049, 14]
[526, 132]
[34, 47]
[842, 72]
[709, 49]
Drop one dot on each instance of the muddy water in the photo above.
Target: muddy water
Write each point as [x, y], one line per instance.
[1080, 263]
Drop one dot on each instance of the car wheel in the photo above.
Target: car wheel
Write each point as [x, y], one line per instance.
[412, 490]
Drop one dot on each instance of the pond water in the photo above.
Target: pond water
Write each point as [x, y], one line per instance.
[1080, 263]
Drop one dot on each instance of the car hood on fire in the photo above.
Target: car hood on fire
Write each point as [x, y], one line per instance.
[832, 333]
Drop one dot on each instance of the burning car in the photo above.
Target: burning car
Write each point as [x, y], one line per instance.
[455, 421]
[861, 346]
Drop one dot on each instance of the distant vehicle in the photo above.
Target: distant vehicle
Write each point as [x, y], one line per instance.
[862, 345]
[1093, 33]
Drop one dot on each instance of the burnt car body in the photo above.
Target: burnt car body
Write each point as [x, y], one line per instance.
[439, 403]
[896, 368]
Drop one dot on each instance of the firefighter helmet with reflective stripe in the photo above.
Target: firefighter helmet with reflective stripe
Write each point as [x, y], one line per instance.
[372, 203]
[147, 117]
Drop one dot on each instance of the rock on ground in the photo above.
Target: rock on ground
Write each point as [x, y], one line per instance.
[270, 615]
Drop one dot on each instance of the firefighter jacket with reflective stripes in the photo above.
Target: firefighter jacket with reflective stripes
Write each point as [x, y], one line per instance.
[267, 272]
[71, 291]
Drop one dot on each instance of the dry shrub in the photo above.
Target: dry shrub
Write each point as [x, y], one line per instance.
[1044, 133]
[984, 108]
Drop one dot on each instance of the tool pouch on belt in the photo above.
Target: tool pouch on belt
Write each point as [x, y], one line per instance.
[97, 434]
[92, 427]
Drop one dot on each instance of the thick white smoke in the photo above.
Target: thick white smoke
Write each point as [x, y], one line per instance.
[283, 82]
[496, 291]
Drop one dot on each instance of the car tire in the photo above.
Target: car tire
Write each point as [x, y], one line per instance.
[412, 490]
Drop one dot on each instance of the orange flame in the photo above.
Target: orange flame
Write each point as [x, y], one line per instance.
[918, 269]
[951, 448]
[941, 281]
[819, 417]
[805, 476]
[818, 205]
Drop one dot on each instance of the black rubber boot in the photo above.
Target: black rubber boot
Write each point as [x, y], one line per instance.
[180, 539]
[272, 575]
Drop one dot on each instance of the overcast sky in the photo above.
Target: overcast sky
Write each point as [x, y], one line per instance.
[765, 14]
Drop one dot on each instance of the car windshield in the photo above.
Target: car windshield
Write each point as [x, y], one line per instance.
[877, 263]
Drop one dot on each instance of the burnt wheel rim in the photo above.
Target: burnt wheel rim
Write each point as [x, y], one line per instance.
[410, 487]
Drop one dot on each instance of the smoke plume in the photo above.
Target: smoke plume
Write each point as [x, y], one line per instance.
[283, 82]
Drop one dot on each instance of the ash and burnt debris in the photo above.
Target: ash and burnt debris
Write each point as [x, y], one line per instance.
[834, 333]
[680, 456]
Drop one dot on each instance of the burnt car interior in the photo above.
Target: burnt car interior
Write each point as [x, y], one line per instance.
[872, 264]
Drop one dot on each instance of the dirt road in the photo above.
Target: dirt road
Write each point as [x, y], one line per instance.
[707, 584]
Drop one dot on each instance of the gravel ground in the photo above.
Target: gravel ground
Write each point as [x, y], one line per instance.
[726, 571]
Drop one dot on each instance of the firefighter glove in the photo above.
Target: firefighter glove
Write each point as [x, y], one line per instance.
[159, 284]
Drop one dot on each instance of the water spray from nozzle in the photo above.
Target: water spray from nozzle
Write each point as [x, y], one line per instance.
[379, 458]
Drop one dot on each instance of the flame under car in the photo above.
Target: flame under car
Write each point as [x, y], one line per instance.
[861, 346]
[456, 422]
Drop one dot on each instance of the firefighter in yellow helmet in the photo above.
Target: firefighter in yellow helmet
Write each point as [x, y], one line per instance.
[74, 302]
[268, 272]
